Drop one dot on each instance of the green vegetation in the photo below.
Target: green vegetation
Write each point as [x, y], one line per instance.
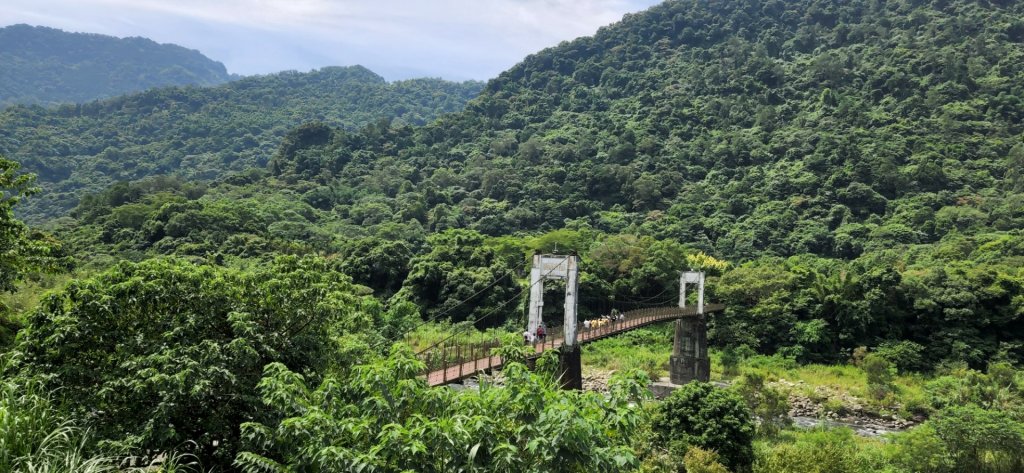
[203, 134]
[865, 198]
[256, 261]
[380, 418]
[46, 66]
[713, 419]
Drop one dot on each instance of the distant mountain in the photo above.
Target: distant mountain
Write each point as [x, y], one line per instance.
[203, 133]
[40, 65]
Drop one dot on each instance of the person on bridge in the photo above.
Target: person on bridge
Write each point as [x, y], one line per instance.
[527, 337]
[541, 333]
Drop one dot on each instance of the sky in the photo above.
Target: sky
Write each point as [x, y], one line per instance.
[398, 39]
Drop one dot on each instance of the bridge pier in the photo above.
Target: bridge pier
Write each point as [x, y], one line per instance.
[689, 360]
[570, 367]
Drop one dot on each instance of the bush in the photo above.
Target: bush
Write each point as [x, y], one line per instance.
[880, 375]
[382, 417]
[905, 355]
[698, 460]
[964, 439]
[714, 419]
[820, 451]
[769, 405]
[165, 352]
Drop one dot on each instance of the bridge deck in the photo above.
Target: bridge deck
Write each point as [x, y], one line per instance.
[632, 320]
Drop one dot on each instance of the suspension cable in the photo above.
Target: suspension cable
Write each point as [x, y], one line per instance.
[495, 309]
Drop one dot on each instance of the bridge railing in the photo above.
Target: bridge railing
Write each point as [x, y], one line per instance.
[456, 353]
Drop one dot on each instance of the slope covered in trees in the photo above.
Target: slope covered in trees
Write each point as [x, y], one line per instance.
[860, 162]
[202, 133]
[47, 66]
[745, 127]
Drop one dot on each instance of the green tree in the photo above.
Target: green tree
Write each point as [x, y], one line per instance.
[165, 352]
[703, 416]
[16, 248]
[381, 417]
[880, 373]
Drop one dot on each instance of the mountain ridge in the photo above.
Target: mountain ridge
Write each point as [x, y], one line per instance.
[48, 66]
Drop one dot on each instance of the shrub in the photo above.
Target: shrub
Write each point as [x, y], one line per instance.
[730, 362]
[905, 355]
[880, 375]
[769, 405]
[698, 460]
[164, 352]
[713, 419]
[382, 417]
[820, 451]
[964, 439]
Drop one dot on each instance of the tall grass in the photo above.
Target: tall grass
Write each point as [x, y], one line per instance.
[644, 349]
[35, 437]
[28, 422]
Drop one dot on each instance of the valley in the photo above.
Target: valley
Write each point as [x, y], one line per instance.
[256, 274]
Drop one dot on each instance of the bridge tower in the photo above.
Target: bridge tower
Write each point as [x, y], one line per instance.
[689, 360]
[559, 267]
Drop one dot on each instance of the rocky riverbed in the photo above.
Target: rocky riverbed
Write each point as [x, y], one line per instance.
[805, 411]
[849, 411]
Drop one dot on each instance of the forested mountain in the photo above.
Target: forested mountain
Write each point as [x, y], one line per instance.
[850, 174]
[876, 139]
[40, 65]
[203, 133]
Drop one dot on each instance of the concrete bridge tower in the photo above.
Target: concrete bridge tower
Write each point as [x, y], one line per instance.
[689, 360]
[559, 267]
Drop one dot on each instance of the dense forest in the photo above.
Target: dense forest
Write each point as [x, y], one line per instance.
[47, 66]
[251, 286]
[202, 133]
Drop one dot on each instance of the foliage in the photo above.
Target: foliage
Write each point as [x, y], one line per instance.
[207, 133]
[768, 405]
[964, 439]
[862, 182]
[13, 233]
[905, 355]
[647, 350]
[880, 374]
[163, 352]
[36, 437]
[703, 416]
[381, 418]
[698, 460]
[701, 261]
[822, 451]
[22, 251]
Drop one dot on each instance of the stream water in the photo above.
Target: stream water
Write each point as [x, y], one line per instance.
[864, 429]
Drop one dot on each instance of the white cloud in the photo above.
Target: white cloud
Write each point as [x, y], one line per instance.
[399, 38]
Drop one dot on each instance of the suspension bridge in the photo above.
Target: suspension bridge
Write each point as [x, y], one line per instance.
[454, 362]
[451, 361]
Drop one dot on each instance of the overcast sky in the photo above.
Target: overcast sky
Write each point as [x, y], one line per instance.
[454, 39]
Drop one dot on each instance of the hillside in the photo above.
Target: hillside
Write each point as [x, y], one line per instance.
[831, 132]
[871, 150]
[848, 174]
[47, 66]
[202, 133]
